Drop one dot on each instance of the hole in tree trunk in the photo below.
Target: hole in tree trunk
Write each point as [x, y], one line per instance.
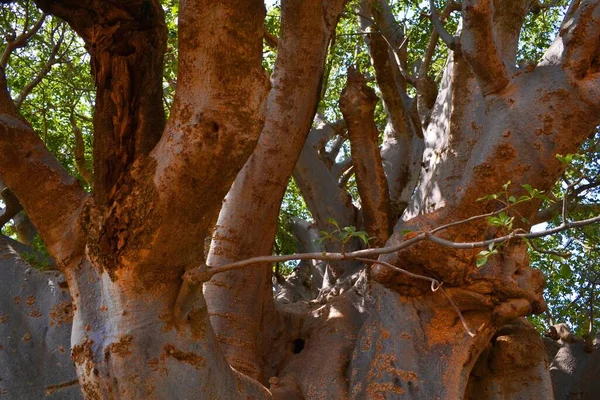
[298, 345]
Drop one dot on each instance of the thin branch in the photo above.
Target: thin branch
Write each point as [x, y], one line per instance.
[455, 307]
[518, 234]
[20, 41]
[549, 213]
[449, 39]
[45, 70]
[82, 168]
[549, 252]
[336, 147]
[271, 40]
[346, 177]
[338, 169]
[435, 284]
[467, 220]
[430, 51]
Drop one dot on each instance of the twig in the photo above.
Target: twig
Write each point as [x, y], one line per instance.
[471, 219]
[455, 307]
[550, 252]
[20, 40]
[435, 286]
[517, 234]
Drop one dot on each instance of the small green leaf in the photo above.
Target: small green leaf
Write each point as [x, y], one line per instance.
[333, 222]
[528, 188]
[405, 231]
[565, 271]
[349, 229]
[481, 261]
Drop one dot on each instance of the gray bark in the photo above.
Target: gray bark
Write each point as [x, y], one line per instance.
[35, 329]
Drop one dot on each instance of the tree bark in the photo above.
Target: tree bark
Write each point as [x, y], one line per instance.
[357, 103]
[259, 188]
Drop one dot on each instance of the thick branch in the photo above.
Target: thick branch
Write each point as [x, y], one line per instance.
[126, 41]
[217, 115]
[581, 37]
[34, 176]
[306, 29]
[450, 40]
[479, 47]
[389, 78]
[357, 103]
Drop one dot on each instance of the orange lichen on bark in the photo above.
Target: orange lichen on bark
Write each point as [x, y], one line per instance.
[120, 348]
[186, 357]
[83, 354]
[62, 313]
[35, 313]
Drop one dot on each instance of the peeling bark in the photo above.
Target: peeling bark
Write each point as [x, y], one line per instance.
[126, 42]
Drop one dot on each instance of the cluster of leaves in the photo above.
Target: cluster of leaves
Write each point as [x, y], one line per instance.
[343, 235]
[539, 30]
[56, 57]
[571, 260]
[504, 219]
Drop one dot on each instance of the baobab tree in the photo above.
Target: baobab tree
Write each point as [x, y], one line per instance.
[422, 313]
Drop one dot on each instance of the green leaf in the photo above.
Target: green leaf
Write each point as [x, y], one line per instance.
[333, 222]
[481, 261]
[405, 231]
[565, 271]
[528, 188]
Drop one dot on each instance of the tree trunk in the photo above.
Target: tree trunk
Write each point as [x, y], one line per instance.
[131, 255]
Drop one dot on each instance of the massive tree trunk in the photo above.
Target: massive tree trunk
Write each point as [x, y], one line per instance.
[131, 251]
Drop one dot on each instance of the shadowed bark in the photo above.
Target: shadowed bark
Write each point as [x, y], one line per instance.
[357, 103]
[126, 41]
